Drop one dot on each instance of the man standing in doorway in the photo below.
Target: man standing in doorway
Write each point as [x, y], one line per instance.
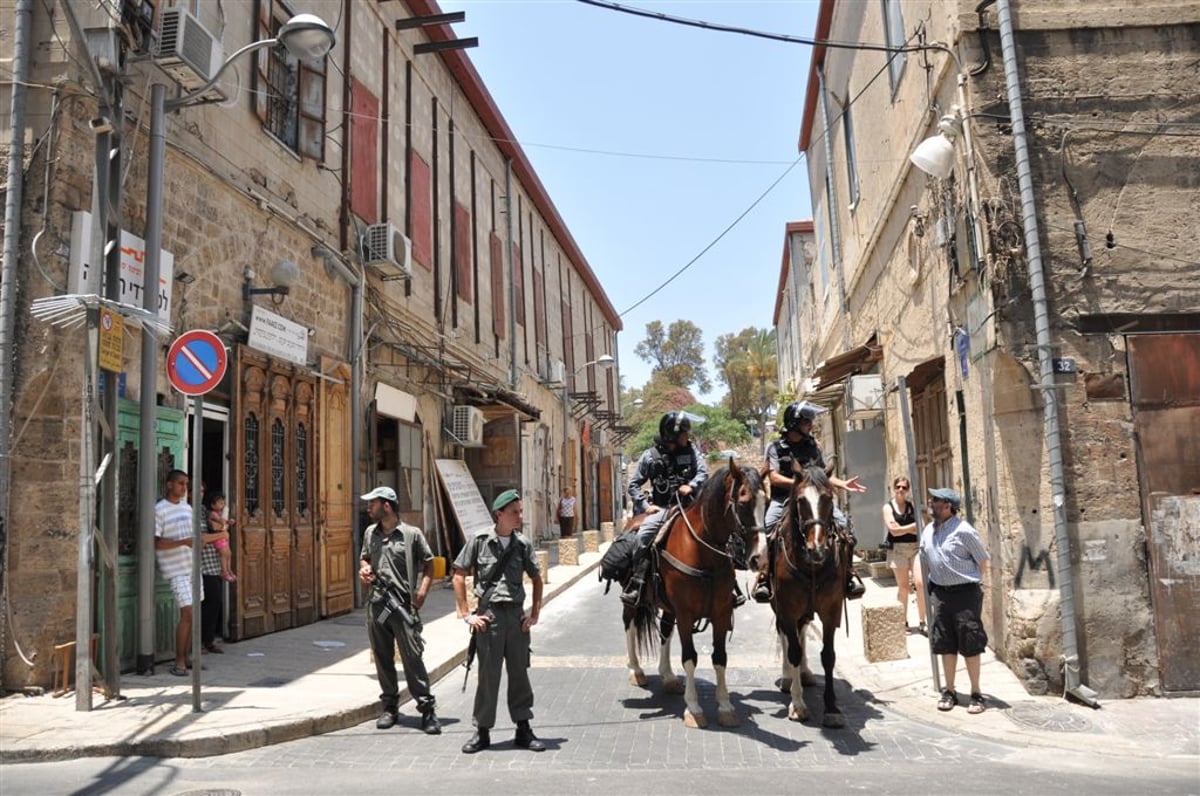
[498, 559]
[393, 553]
[955, 564]
[173, 549]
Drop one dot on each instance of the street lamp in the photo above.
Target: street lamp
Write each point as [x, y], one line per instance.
[307, 38]
[604, 361]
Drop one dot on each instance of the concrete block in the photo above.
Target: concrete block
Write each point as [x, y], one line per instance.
[607, 531]
[880, 571]
[883, 633]
[591, 541]
[568, 551]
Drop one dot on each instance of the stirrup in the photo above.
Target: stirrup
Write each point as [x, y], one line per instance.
[632, 596]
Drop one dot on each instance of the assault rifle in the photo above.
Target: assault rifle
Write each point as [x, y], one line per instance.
[393, 604]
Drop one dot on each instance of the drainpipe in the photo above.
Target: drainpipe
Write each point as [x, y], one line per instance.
[512, 277]
[8, 282]
[1071, 664]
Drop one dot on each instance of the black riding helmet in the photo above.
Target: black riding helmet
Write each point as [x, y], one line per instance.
[797, 413]
[672, 425]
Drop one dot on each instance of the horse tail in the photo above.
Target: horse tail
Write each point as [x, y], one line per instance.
[645, 627]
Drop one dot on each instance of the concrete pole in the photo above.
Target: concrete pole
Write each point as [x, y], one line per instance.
[148, 402]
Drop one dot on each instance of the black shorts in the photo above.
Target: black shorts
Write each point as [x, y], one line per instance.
[957, 620]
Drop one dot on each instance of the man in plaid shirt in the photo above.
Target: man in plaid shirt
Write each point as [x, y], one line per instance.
[213, 604]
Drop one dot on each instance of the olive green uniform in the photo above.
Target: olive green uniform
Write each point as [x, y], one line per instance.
[504, 642]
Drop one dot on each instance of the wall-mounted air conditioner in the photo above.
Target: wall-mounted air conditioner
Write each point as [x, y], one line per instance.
[187, 51]
[864, 396]
[558, 372]
[388, 250]
[468, 425]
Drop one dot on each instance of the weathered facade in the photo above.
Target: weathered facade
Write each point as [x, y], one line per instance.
[1044, 325]
[480, 346]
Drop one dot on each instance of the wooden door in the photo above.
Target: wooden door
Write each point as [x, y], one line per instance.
[1165, 393]
[336, 555]
[275, 407]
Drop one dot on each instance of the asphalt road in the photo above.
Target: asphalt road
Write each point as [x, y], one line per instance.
[607, 736]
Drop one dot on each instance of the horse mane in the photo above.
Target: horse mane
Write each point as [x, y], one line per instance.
[711, 496]
[816, 475]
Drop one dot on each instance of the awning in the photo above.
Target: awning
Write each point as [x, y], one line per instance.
[856, 360]
[483, 396]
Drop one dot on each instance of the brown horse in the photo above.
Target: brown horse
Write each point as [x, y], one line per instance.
[808, 577]
[695, 579]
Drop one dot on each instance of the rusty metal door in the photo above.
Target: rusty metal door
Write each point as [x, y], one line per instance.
[1165, 393]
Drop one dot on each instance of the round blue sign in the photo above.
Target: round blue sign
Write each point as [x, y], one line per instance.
[196, 362]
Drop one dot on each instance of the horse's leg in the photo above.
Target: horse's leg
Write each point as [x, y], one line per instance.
[693, 714]
[793, 657]
[829, 626]
[786, 672]
[636, 675]
[670, 683]
[726, 715]
[807, 679]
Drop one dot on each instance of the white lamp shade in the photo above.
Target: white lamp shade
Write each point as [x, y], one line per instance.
[934, 156]
[307, 37]
[285, 273]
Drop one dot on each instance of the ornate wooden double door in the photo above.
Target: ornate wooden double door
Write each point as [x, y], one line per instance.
[291, 478]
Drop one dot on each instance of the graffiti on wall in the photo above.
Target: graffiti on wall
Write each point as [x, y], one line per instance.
[1033, 563]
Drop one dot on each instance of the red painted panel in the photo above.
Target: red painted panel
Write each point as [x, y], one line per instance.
[462, 252]
[364, 159]
[497, 285]
[539, 310]
[422, 211]
[519, 284]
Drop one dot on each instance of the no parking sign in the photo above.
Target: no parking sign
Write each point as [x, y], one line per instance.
[196, 362]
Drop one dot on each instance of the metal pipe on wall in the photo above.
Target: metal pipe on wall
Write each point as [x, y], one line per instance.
[15, 185]
[1041, 321]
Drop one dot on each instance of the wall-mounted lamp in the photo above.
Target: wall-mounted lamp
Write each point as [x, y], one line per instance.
[185, 277]
[284, 274]
[935, 155]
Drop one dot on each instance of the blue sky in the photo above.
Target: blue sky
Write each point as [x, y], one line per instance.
[566, 74]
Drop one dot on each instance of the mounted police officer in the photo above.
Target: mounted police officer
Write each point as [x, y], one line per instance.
[794, 451]
[674, 466]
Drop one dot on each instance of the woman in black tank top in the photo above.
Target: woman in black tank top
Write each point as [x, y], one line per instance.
[900, 520]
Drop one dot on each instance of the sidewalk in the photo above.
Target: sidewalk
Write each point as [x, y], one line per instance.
[319, 678]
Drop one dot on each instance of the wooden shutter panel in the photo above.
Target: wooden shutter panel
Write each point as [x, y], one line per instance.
[364, 138]
[259, 84]
[311, 141]
[462, 252]
[497, 286]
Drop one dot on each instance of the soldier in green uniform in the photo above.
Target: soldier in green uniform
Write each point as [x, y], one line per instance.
[498, 559]
[393, 556]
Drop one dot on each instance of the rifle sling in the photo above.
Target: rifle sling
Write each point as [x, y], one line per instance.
[498, 572]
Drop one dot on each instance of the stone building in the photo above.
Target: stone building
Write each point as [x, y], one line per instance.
[401, 302]
[1022, 307]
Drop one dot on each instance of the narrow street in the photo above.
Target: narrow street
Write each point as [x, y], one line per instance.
[606, 736]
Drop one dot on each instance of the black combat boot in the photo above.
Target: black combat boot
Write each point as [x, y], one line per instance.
[633, 591]
[481, 740]
[525, 738]
[739, 599]
[762, 589]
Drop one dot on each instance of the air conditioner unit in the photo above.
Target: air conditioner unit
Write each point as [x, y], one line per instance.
[864, 396]
[468, 425]
[187, 51]
[558, 372]
[388, 250]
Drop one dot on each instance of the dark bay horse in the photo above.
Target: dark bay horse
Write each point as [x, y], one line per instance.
[695, 578]
[809, 577]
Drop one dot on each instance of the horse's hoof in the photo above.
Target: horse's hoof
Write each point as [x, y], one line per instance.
[638, 679]
[834, 720]
[694, 721]
[785, 684]
[728, 718]
[797, 715]
[808, 679]
[672, 686]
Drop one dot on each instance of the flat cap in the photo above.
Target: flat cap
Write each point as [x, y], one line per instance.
[948, 495]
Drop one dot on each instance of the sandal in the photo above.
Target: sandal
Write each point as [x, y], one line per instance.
[977, 705]
[177, 670]
[948, 701]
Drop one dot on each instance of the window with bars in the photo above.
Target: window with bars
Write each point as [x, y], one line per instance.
[302, 469]
[277, 467]
[288, 94]
[250, 462]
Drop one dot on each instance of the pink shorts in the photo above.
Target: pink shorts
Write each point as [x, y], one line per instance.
[221, 544]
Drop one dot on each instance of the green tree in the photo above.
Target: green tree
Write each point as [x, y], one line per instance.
[659, 396]
[748, 363]
[731, 371]
[677, 353]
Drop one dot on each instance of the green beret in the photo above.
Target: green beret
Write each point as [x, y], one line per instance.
[504, 498]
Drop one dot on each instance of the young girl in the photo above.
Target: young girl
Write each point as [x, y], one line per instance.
[216, 524]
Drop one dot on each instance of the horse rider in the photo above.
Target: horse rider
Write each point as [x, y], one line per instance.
[673, 466]
[787, 457]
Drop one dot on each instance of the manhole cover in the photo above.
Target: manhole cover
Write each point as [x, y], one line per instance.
[1042, 716]
[267, 682]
